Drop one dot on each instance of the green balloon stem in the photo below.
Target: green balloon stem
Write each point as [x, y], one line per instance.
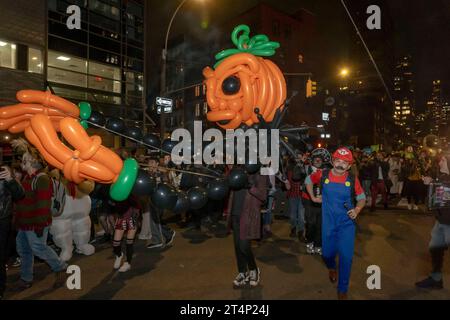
[84, 124]
[121, 189]
[85, 110]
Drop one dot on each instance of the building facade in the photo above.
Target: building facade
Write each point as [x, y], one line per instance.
[103, 63]
[404, 112]
[23, 43]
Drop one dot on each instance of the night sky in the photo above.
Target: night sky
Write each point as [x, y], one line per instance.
[421, 29]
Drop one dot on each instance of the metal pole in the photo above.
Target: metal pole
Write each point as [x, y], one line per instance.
[163, 69]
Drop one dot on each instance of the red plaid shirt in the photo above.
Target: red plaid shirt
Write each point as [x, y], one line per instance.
[296, 188]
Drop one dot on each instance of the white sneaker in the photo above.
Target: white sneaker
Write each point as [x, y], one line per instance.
[125, 267]
[318, 251]
[241, 280]
[118, 262]
[410, 206]
[415, 207]
[310, 248]
[254, 277]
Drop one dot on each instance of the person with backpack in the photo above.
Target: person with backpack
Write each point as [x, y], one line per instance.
[10, 191]
[33, 219]
[340, 190]
[296, 176]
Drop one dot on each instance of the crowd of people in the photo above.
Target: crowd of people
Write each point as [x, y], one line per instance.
[323, 195]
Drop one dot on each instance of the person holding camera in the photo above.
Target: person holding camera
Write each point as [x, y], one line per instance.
[33, 219]
[10, 191]
[440, 235]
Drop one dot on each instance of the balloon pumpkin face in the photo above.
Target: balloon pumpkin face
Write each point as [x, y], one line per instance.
[243, 81]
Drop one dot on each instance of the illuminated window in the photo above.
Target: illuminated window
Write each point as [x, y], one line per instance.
[8, 55]
[397, 102]
[35, 63]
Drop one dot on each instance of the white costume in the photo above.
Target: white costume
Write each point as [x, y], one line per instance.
[73, 226]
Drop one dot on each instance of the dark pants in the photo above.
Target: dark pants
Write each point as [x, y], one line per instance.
[413, 190]
[161, 233]
[378, 188]
[214, 209]
[313, 218]
[243, 249]
[5, 227]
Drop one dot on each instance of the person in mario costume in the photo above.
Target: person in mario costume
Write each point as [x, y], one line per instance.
[342, 199]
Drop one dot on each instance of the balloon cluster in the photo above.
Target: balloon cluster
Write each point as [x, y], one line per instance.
[165, 196]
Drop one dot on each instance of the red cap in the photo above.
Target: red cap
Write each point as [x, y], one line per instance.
[343, 154]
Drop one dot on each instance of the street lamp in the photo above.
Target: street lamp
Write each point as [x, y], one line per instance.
[164, 65]
[344, 72]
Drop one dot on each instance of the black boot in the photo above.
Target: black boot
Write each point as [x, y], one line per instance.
[437, 261]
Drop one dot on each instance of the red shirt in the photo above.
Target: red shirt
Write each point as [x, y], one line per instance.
[296, 188]
[316, 177]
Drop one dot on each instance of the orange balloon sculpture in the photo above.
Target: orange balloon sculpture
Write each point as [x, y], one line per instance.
[255, 82]
[40, 115]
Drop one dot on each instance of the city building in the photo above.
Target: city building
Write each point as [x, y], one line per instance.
[360, 92]
[102, 63]
[23, 41]
[404, 94]
[186, 59]
[436, 109]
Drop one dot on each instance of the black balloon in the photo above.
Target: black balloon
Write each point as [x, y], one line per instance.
[244, 127]
[97, 118]
[164, 197]
[134, 132]
[218, 189]
[182, 204]
[237, 179]
[198, 197]
[116, 125]
[145, 184]
[252, 168]
[152, 140]
[168, 145]
[231, 85]
[256, 126]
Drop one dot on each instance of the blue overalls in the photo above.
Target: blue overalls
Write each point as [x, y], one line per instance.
[338, 230]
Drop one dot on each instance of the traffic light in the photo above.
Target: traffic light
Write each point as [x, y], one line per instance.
[314, 88]
[311, 88]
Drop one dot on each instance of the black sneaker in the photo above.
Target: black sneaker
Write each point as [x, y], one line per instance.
[22, 285]
[293, 233]
[430, 283]
[240, 281]
[60, 279]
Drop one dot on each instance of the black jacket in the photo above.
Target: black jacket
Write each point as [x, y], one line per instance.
[9, 192]
[384, 170]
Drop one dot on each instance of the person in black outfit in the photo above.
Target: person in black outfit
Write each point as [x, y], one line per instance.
[10, 191]
[380, 180]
